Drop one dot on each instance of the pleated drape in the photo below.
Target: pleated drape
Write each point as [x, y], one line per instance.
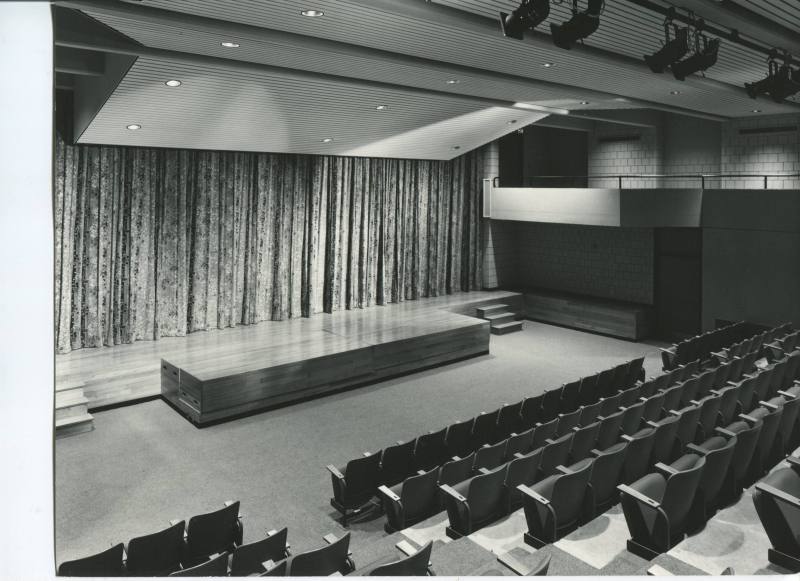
[155, 243]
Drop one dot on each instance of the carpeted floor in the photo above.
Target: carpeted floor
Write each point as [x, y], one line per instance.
[144, 464]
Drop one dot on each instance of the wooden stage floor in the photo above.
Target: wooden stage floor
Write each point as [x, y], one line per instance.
[112, 375]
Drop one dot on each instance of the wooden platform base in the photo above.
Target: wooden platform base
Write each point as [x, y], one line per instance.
[71, 411]
[617, 319]
[332, 346]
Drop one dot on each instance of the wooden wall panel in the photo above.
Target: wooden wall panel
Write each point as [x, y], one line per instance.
[153, 243]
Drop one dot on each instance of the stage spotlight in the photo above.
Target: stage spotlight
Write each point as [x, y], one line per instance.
[527, 16]
[699, 61]
[581, 25]
[674, 50]
[785, 84]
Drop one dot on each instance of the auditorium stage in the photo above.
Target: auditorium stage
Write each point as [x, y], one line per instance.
[249, 367]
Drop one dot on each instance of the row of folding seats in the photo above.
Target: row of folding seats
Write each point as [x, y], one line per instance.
[777, 502]
[356, 484]
[680, 496]
[702, 346]
[551, 507]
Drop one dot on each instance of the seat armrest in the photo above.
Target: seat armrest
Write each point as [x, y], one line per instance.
[330, 538]
[793, 461]
[600, 418]
[174, 521]
[527, 491]
[625, 437]
[784, 496]
[625, 489]
[697, 449]
[667, 470]
[652, 424]
[644, 399]
[769, 406]
[386, 491]
[715, 391]
[455, 458]
[597, 452]
[674, 413]
[513, 434]
[750, 375]
[670, 350]
[519, 455]
[484, 470]
[550, 441]
[335, 471]
[749, 419]
[695, 402]
[724, 432]
[786, 394]
[450, 491]
[720, 354]
[563, 469]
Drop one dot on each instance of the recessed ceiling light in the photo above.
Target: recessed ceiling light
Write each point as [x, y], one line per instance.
[134, 127]
[381, 107]
[327, 140]
[452, 81]
[173, 83]
[512, 122]
[584, 102]
[229, 44]
[548, 65]
[674, 92]
[312, 13]
[456, 147]
[756, 111]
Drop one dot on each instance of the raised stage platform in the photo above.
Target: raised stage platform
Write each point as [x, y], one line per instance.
[214, 374]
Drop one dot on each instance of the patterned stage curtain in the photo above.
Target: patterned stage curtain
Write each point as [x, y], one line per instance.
[155, 243]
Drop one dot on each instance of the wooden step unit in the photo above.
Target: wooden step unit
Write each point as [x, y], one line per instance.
[501, 318]
[71, 410]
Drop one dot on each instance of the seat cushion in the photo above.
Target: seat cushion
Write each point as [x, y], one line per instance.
[714, 443]
[685, 462]
[737, 427]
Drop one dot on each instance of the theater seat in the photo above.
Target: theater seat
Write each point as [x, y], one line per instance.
[457, 470]
[509, 420]
[521, 470]
[212, 533]
[531, 411]
[474, 503]
[653, 408]
[610, 429]
[397, 462]
[766, 439]
[606, 474]
[777, 502]
[785, 438]
[544, 432]
[551, 405]
[276, 569]
[590, 412]
[746, 441]
[664, 444]
[417, 565]
[610, 404]
[657, 507]
[630, 396]
[411, 501]
[519, 443]
[632, 417]
[328, 560]
[157, 554]
[568, 421]
[583, 441]
[216, 566]
[490, 456]
[688, 425]
[355, 485]
[248, 559]
[459, 438]
[484, 428]
[570, 396]
[718, 453]
[729, 403]
[105, 564]
[431, 450]
[553, 506]
[554, 453]
[637, 458]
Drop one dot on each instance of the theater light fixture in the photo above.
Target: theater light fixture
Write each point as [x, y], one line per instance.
[674, 48]
[327, 140]
[703, 57]
[581, 25]
[229, 44]
[173, 83]
[527, 16]
[781, 82]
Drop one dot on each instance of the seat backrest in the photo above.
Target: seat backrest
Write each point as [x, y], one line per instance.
[212, 532]
[216, 567]
[544, 431]
[321, 562]
[569, 490]
[679, 493]
[419, 494]
[522, 470]
[459, 436]
[672, 398]
[654, 407]
[611, 404]
[607, 384]
[484, 428]
[490, 457]
[729, 404]
[567, 421]
[361, 474]
[610, 430]
[105, 564]
[431, 449]
[570, 394]
[766, 439]
[485, 495]
[551, 404]
[779, 517]
[397, 462]
[718, 461]
[635, 367]
[588, 392]
[791, 409]
[456, 471]
[509, 419]
[583, 441]
[688, 421]
[590, 412]
[520, 443]
[709, 414]
[637, 458]
[157, 554]
[747, 389]
[664, 441]
[632, 418]
[630, 396]
[746, 442]
[607, 472]
[415, 565]
[247, 559]
[620, 375]
[691, 390]
[554, 454]
[531, 410]
[663, 381]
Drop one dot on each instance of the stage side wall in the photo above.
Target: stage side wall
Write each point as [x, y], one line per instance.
[153, 242]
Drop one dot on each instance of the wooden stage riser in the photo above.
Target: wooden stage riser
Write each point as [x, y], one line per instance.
[212, 400]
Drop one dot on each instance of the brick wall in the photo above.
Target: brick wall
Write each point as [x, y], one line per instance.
[690, 146]
[642, 156]
[761, 153]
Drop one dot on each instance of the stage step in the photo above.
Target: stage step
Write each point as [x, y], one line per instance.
[500, 318]
[504, 328]
[71, 411]
[484, 312]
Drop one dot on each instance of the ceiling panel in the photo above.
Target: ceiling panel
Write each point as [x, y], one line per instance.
[784, 12]
[625, 29]
[224, 109]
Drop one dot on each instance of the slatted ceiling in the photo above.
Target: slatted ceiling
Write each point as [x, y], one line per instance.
[489, 51]
[218, 108]
[364, 67]
[784, 12]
